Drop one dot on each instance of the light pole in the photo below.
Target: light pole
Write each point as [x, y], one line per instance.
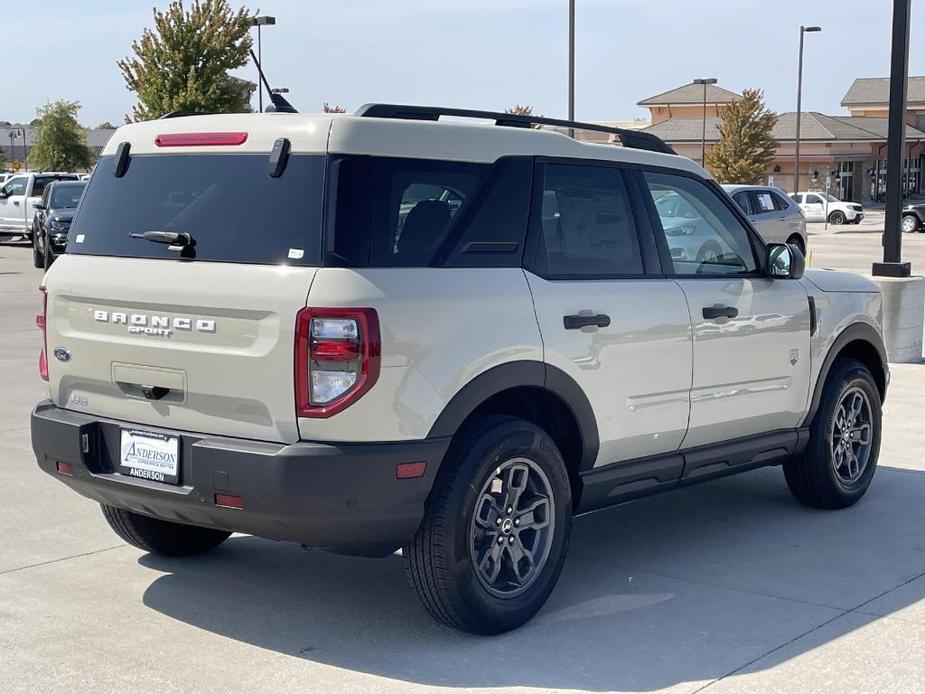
[13, 135]
[25, 153]
[796, 163]
[571, 64]
[259, 22]
[703, 143]
[280, 90]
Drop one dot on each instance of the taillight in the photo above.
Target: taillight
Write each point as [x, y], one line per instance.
[40, 322]
[337, 358]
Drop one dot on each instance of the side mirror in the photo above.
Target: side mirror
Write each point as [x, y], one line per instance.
[4, 195]
[38, 206]
[785, 262]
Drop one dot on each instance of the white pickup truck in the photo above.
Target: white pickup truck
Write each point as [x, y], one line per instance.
[18, 195]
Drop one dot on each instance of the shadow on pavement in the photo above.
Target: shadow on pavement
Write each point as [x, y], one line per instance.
[684, 587]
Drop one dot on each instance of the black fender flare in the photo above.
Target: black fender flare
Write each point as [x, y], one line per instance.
[857, 332]
[516, 374]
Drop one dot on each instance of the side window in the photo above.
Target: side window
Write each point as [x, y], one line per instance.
[797, 198]
[741, 199]
[388, 212]
[46, 194]
[585, 224]
[39, 186]
[763, 202]
[15, 186]
[780, 203]
[707, 239]
[414, 203]
[813, 200]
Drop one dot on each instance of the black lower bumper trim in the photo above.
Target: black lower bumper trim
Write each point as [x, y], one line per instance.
[344, 497]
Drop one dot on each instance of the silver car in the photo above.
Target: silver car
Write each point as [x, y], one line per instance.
[773, 214]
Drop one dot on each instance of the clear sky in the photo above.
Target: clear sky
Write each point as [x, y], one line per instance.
[476, 53]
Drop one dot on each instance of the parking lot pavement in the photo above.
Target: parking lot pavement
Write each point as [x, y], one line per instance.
[729, 586]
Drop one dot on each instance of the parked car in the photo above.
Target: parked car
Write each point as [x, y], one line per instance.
[299, 363]
[52, 220]
[913, 217]
[4, 177]
[816, 206]
[771, 211]
[18, 197]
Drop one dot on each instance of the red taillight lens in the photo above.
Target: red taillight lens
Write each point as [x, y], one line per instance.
[40, 322]
[337, 358]
[200, 139]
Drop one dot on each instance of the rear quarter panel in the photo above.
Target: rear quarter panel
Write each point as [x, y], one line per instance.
[440, 328]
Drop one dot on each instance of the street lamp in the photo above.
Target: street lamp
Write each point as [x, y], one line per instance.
[280, 90]
[796, 165]
[259, 22]
[703, 143]
[13, 135]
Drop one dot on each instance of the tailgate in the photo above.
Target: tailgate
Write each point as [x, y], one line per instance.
[203, 347]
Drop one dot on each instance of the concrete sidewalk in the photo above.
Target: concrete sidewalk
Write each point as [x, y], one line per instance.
[729, 587]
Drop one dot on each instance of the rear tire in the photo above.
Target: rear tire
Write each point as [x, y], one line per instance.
[160, 536]
[840, 460]
[469, 561]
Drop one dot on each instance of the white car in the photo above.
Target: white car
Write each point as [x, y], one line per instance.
[18, 196]
[817, 206]
[435, 336]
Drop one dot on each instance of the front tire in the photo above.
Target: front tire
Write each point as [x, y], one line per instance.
[162, 537]
[496, 529]
[837, 218]
[909, 223]
[844, 441]
[38, 257]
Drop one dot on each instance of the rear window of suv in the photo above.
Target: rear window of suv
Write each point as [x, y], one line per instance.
[233, 209]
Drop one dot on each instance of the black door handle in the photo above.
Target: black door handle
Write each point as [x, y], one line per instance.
[579, 321]
[719, 311]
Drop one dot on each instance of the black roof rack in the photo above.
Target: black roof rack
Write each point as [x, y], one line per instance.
[183, 114]
[628, 138]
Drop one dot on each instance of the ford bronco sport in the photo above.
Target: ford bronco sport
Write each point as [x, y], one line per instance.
[390, 331]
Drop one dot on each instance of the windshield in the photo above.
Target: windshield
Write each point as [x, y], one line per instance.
[65, 195]
[228, 203]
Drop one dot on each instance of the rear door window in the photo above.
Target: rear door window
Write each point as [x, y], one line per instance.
[741, 199]
[587, 224]
[233, 209]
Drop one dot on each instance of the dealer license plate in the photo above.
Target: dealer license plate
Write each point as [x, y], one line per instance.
[150, 455]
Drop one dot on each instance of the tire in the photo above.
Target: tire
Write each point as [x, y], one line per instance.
[798, 242]
[909, 223]
[815, 478]
[160, 536]
[49, 255]
[38, 257]
[484, 462]
[837, 218]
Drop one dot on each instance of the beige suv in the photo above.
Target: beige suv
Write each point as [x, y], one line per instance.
[386, 331]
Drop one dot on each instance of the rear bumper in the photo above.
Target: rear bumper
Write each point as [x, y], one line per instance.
[343, 497]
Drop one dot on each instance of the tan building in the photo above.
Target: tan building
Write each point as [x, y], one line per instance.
[846, 150]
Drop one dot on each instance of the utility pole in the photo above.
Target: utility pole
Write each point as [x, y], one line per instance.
[703, 141]
[571, 64]
[796, 162]
[892, 265]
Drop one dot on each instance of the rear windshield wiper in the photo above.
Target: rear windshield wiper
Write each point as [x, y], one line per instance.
[174, 238]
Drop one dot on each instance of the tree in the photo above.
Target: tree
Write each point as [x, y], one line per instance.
[183, 63]
[333, 108]
[35, 122]
[105, 125]
[745, 147]
[60, 142]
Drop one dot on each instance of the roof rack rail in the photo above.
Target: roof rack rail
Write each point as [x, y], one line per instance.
[628, 138]
[183, 114]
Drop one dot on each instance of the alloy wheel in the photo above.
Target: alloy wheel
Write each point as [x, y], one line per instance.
[852, 433]
[512, 527]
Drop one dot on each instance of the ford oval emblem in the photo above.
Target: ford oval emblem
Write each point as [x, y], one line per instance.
[62, 354]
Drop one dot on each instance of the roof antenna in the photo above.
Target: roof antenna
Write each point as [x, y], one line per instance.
[278, 102]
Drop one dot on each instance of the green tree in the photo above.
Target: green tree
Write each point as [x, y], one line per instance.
[182, 63]
[745, 148]
[105, 125]
[60, 142]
